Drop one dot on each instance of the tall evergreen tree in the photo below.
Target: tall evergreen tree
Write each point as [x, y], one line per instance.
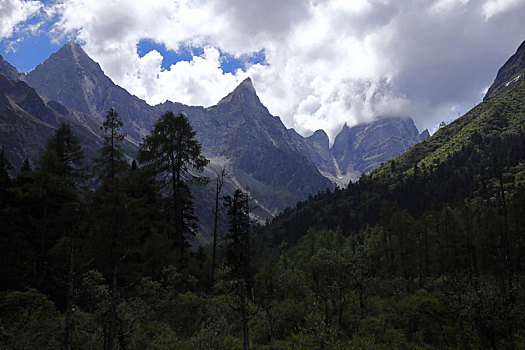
[5, 180]
[170, 151]
[60, 175]
[110, 211]
[238, 256]
[219, 182]
[63, 156]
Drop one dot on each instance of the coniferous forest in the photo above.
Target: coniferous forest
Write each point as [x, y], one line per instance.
[425, 252]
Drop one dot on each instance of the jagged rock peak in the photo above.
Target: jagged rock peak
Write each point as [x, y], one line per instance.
[75, 51]
[318, 134]
[246, 86]
[247, 83]
[75, 48]
[321, 138]
[72, 78]
[71, 55]
[8, 69]
[509, 71]
[244, 92]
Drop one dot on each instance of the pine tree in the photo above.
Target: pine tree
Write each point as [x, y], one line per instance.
[110, 211]
[170, 151]
[238, 256]
[60, 176]
[5, 167]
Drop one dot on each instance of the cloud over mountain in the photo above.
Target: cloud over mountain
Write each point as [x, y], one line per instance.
[326, 62]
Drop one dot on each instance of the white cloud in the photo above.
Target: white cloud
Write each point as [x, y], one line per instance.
[492, 8]
[446, 5]
[199, 82]
[15, 12]
[327, 61]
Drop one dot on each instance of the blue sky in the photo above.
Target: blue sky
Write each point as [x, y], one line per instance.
[229, 63]
[34, 49]
[26, 50]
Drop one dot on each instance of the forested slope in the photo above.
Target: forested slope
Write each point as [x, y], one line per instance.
[424, 252]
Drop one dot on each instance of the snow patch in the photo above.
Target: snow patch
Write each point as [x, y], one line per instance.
[513, 80]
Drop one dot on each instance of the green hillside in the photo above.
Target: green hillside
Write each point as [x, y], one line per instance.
[501, 116]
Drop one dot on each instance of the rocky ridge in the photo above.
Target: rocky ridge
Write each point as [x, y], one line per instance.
[511, 71]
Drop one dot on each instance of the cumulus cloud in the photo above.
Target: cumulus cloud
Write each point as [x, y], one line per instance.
[327, 61]
[494, 7]
[15, 12]
[198, 82]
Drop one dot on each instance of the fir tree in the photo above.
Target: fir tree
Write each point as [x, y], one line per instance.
[170, 151]
[238, 257]
[109, 211]
[60, 176]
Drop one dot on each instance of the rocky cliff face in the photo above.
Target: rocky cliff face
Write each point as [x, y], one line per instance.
[364, 147]
[238, 133]
[510, 72]
[72, 78]
[7, 69]
[260, 146]
[360, 149]
[27, 120]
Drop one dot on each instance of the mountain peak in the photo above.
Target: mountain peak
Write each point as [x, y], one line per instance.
[321, 138]
[364, 147]
[74, 47]
[244, 92]
[247, 86]
[424, 135]
[8, 69]
[345, 129]
[509, 72]
[75, 52]
[72, 44]
[71, 77]
[247, 82]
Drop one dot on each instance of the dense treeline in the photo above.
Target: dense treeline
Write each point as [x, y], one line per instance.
[440, 221]
[424, 253]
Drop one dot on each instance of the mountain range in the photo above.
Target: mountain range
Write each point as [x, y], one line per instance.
[276, 165]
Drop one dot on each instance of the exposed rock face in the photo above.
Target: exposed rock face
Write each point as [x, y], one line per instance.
[27, 121]
[364, 147]
[360, 149]
[238, 132]
[257, 146]
[316, 147]
[72, 78]
[10, 71]
[513, 69]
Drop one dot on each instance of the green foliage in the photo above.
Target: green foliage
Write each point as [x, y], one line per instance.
[169, 152]
[29, 320]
